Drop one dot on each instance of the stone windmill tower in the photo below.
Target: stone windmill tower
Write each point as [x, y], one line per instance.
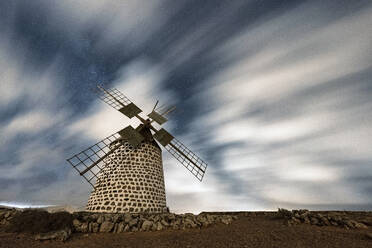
[125, 169]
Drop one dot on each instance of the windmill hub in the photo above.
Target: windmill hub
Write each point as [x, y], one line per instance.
[125, 169]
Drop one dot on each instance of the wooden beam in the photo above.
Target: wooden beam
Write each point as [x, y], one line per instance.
[99, 160]
[183, 154]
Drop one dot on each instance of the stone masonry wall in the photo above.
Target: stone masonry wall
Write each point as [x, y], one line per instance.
[132, 181]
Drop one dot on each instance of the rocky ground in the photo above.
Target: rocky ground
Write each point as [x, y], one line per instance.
[297, 228]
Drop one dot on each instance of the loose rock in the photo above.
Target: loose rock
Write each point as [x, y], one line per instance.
[127, 217]
[133, 222]
[146, 226]
[106, 226]
[95, 227]
[100, 219]
[121, 227]
[80, 226]
[159, 227]
[226, 220]
[164, 223]
[61, 235]
[360, 225]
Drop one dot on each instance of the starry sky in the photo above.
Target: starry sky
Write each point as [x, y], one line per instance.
[276, 96]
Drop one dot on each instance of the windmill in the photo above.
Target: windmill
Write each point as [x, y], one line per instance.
[125, 168]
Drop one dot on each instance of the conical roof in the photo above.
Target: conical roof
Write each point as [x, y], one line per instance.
[146, 133]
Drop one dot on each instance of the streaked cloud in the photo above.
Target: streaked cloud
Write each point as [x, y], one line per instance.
[274, 96]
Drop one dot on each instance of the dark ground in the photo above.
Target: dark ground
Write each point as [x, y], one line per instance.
[254, 230]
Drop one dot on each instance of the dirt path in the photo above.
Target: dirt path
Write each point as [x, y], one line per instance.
[251, 231]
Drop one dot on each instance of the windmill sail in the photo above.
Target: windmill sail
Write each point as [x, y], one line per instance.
[90, 162]
[112, 97]
[184, 155]
[118, 101]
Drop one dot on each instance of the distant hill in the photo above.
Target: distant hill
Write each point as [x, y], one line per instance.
[50, 209]
[6, 207]
[67, 208]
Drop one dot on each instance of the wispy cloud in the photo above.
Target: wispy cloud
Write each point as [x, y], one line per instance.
[289, 104]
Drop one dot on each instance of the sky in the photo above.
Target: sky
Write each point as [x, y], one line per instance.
[275, 96]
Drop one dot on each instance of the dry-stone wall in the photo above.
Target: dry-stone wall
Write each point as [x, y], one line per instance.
[94, 222]
[132, 181]
[326, 219]
[31, 221]
[88, 222]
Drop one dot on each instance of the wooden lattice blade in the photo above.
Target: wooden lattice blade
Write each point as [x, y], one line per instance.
[187, 158]
[157, 117]
[90, 162]
[118, 101]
